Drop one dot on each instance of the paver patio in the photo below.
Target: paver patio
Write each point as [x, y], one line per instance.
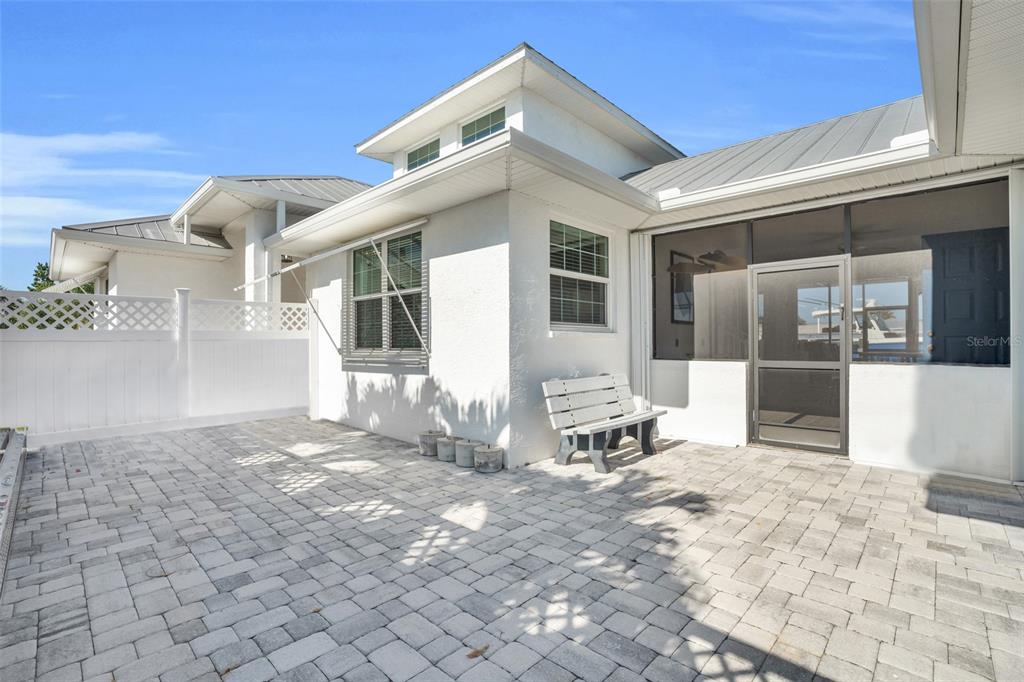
[310, 551]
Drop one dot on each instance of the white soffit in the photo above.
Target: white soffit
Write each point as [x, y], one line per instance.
[992, 93]
[523, 67]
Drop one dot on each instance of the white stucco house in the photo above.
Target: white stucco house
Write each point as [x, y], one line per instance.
[852, 286]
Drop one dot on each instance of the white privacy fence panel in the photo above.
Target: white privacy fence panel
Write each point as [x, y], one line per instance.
[80, 365]
[23, 310]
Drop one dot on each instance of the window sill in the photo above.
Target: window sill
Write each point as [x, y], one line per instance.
[410, 359]
[577, 330]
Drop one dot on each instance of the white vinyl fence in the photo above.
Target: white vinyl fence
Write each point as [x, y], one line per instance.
[85, 365]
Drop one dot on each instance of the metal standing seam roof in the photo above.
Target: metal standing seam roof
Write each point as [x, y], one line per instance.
[837, 138]
[152, 228]
[326, 187]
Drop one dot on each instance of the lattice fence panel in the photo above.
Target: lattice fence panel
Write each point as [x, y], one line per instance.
[33, 310]
[241, 316]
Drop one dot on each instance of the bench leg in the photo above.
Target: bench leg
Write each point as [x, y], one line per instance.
[614, 438]
[565, 450]
[647, 436]
[597, 451]
[633, 431]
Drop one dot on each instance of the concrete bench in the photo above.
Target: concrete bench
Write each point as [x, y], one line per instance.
[592, 414]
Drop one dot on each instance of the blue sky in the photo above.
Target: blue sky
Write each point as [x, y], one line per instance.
[112, 110]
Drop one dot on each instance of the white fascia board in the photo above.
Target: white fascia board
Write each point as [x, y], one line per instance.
[938, 29]
[115, 242]
[672, 198]
[476, 154]
[199, 196]
[213, 185]
[365, 148]
[57, 246]
[509, 142]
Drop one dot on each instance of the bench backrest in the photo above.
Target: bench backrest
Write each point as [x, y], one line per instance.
[572, 402]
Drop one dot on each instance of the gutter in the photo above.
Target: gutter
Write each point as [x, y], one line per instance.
[137, 244]
[671, 199]
[209, 189]
[510, 142]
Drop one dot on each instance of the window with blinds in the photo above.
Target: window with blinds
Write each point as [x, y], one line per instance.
[578, 277]
[384, 300]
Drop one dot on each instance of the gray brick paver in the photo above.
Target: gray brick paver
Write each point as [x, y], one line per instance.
[811, 565]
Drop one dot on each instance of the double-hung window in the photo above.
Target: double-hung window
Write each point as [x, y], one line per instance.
[421, 156]
[488, 124]
[578, 277]
[380, 322]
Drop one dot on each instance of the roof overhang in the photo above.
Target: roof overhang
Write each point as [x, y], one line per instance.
[523, 67]
[75, 252]
[219, 201]
[805, 193]
[510, 160]
[972, 70]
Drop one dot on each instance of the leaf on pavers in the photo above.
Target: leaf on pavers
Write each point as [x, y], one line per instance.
[157, 572]
[477, 653]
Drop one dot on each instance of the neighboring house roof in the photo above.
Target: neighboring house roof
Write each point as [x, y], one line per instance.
[326, 187]
[153, 228]
[837, 138]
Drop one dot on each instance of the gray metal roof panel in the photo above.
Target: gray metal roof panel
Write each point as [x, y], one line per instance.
[837, 138]
[324, 187]
[151, 228]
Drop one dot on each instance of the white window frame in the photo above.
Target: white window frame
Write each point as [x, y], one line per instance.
[408, 150]
[609, 295]
[481, 112]
[385, 354]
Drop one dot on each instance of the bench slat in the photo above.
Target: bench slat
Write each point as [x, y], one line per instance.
[582, 385]
[561, 420]
[563, 403]
[613, 423]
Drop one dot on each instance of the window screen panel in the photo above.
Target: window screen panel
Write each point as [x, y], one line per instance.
[488, 124]
[577, 250]
[365, 272]
[405, 256]
[423, 155]
[403, 336]
[369, 323]
[577, 301]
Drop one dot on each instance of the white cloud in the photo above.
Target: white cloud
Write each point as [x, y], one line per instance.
[50, 160]
[848, 22]
[51, 180]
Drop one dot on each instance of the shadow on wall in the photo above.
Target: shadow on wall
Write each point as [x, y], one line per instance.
[403, 405]
[641, 548]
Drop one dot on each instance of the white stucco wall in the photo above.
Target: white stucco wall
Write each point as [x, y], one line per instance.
[140, 274]
[931, 418]
[706, 400]
[553, 125]
[464, 389]
[538, 354]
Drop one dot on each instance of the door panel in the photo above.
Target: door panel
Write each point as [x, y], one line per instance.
[799, 353]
